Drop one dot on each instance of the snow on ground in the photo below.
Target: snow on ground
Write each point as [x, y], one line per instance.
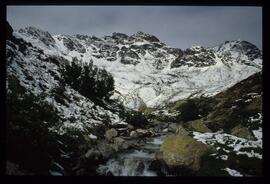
[36, 76]
[238, 145]
[233, 172]
[140, 84]
[166, 113]
[91, 136]
[230, 141]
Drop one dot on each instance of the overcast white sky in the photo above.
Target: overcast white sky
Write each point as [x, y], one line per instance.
[177, 26]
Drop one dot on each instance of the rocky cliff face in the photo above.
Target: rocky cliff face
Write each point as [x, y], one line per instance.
[147, 71]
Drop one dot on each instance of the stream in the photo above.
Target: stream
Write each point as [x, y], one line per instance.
[134, 162]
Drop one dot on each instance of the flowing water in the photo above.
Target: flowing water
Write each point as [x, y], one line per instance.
[134, 162]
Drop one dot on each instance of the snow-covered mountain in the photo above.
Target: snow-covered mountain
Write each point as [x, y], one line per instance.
[64, 115]
[40, 75]
[147, 71]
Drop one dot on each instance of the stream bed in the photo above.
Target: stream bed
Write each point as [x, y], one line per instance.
[134, 162]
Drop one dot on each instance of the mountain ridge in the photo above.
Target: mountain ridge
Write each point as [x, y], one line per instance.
[153, 63]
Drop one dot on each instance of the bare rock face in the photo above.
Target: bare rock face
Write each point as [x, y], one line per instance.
[183, 152]
[72, 44]
[195, 56]
[43, 36]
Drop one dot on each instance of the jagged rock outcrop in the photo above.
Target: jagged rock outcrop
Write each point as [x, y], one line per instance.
[36, 34]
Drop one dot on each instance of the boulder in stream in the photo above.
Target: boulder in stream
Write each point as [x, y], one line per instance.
[183, 152]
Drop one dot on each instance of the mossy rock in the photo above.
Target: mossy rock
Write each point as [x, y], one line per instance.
[199, 126]
[183, 151]
[178, 129]
[242, 132]
[223, 120]
[178, 104]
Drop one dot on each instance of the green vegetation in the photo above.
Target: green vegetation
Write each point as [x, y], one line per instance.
[59, 94]
[31, 140]
[195, 108]
[88, 80]
[210, 166]
[136, 119]
[189, 111]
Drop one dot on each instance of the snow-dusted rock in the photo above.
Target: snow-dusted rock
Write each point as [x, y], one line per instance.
[147, 72]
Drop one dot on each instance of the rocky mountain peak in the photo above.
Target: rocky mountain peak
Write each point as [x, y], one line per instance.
[240, 46]
[82, 37]
[145, 36]
[197, 56]
[148, 71]
[119, 36]
[37, 34]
